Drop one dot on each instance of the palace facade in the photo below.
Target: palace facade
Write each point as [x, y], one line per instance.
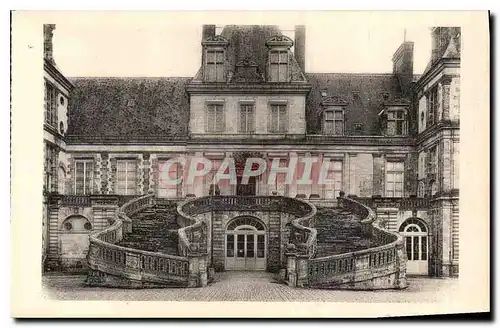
[392, 140]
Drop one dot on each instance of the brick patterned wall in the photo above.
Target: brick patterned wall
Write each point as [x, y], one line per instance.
[140, 175]
[97, 174]
[410, 174]
[153, 174]
[273, 243]
[218, 240]
[111, 175]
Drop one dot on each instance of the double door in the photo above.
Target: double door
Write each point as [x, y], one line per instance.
[246, 250]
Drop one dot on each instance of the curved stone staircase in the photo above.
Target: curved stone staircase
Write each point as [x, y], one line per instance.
[155, 243]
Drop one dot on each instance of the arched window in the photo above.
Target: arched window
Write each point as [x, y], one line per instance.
[245, 223]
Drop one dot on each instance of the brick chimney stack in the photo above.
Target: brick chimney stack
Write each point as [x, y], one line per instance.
[48, 33]
[402, 65]
[300, 46]
[208, 31]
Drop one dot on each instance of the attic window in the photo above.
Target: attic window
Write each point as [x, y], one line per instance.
[214, 66]
[396, 122]
[324, 93]
[279, 65]
[131, 102]
[385, 96]
[333, 122]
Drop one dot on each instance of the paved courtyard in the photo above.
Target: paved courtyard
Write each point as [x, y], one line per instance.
[249, 286]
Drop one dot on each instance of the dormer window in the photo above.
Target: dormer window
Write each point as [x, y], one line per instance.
[215, 63]
[396, 122]
[333, 115]
[279, 66]
[214, 68]
[394, 118]
[279, 58]
[334, 122]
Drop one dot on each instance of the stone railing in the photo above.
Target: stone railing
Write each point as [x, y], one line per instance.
[192, 235]
[412, 203]
[113, 265]
[380, 267]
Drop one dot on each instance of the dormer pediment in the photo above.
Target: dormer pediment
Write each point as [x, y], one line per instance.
[215, 41]
[279, 41]
[333, 101]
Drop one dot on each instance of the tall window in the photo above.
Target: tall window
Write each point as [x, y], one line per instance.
[416, 243]
[334, 122]
[166, 176]
[126, 175]
[215, 66]
[50, 168]
[396, 123]
[84, 174]
[246, 118]
[279, 66]
[215, 118]
[432, 106]
[277, 122]
[432, 164]
[394, 173]
[50, 105]
[334, 174]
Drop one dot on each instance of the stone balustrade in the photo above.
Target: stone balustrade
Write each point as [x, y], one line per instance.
[381, 267]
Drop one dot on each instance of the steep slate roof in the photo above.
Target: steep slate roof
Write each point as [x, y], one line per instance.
[361, 108]
[129, 107]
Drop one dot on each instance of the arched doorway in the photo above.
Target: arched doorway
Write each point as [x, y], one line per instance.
[245, 244]
[416, 238]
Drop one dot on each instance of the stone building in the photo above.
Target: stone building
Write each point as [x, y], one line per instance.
[391, 140]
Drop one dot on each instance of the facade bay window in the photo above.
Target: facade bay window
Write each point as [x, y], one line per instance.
[394, 179]
[334, 179]
[84, 176]
[215, 118]
[279, 65]
[126, 176]
[50, 104]
[432, 106]
[278, 118]
[247, 124]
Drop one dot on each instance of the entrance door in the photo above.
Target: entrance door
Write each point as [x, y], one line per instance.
[245, 245]
[416, 238]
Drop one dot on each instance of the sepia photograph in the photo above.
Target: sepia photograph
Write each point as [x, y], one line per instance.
[298, 160]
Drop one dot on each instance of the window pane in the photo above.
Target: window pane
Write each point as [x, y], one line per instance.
[424, 248]
[391, 128]
[219, 73]
[283, 72]
[230, 246]
[220, 57]
[260, 246]
[329, 127]
[339, 127]
[408, 248]
[283, 57]
[241, 246]
[210, 56]
[274, 72]
[329, 115]
[274, 56]
[416, 248]
[250, 246]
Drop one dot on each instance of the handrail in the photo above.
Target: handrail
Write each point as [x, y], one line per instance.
[189, 234]
[373, 261]
[104, 255]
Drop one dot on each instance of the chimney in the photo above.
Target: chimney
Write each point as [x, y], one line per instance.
[48, 32]
[402, 65]
[300, 46]
[208, 31]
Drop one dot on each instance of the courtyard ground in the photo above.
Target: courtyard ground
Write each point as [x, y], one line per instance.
[250, 286]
